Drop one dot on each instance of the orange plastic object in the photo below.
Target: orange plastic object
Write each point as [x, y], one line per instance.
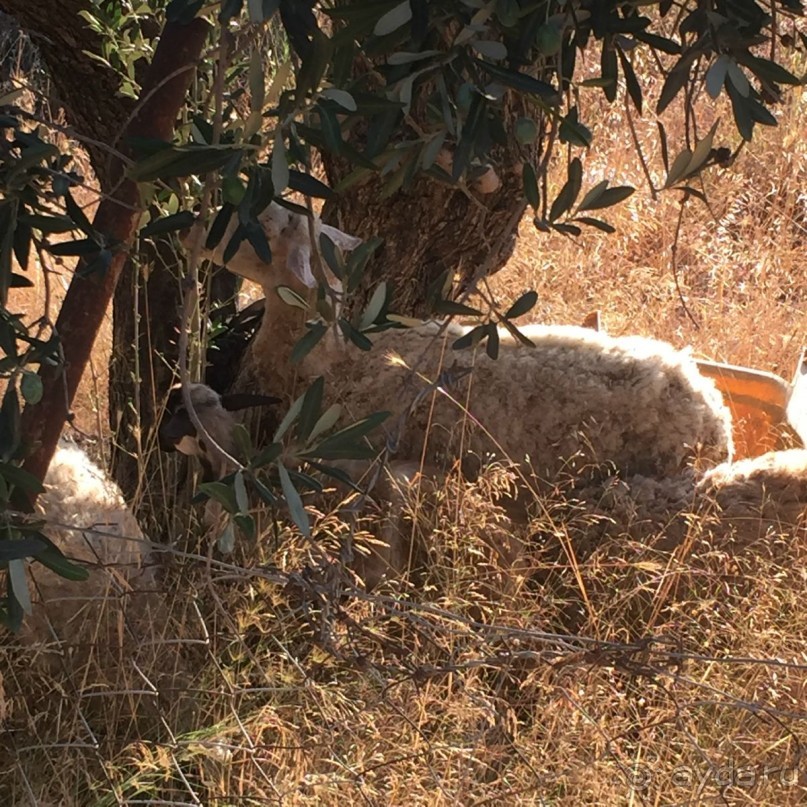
[758, 404]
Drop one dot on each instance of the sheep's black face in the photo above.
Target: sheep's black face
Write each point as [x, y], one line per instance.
[177, 432]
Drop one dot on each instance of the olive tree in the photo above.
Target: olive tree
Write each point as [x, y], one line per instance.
[435, 124]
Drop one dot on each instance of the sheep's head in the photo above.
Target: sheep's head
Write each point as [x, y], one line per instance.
[289, 238]
[215, 412]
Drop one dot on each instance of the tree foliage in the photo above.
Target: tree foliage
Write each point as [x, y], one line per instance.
[396, 91]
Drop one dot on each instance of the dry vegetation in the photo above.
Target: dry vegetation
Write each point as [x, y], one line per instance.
[617, 673]
[739, 263]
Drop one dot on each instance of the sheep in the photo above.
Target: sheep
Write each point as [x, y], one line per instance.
[760, 496]
[747, 500]
[756, 505]
[87, 518]
[766, 411]
[743, 501]
[736, 505]
[577, 398]
[216, 412]
[389, 552]
[393, 493]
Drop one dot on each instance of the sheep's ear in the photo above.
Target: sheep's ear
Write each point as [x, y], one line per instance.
[299, 264]
[342, 240]
[244, 400]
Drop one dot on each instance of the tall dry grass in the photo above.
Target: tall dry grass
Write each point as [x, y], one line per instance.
[726, 279]
[613, 672]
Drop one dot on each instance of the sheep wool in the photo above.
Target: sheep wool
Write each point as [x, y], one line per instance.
[577, 398]
[88, 519]
[752, 502]
[761, 495]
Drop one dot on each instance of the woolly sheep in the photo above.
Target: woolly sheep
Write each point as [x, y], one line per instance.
[753, 505]
[392, 496]
[760, 496]
[767, 412]
[414, 503]
[578, 397]
[88, 519]
[744, 501]
[747, 500]
[394, 493]
[739, 504]
[389, 552]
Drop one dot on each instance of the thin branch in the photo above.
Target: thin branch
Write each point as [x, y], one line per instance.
[638, 146]
[190, 284]
[674, 261]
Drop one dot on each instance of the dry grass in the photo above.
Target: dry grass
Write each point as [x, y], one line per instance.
[45, 297]
[624, 673]
[739, 263]
[615, 674]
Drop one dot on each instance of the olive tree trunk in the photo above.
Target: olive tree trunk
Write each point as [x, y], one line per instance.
[88, 297]
[85, 88]
[433, 227]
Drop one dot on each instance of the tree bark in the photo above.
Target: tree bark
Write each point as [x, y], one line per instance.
[87, 298]
[145, 309]
[434, 227]
[145, 354]
[85, 87]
